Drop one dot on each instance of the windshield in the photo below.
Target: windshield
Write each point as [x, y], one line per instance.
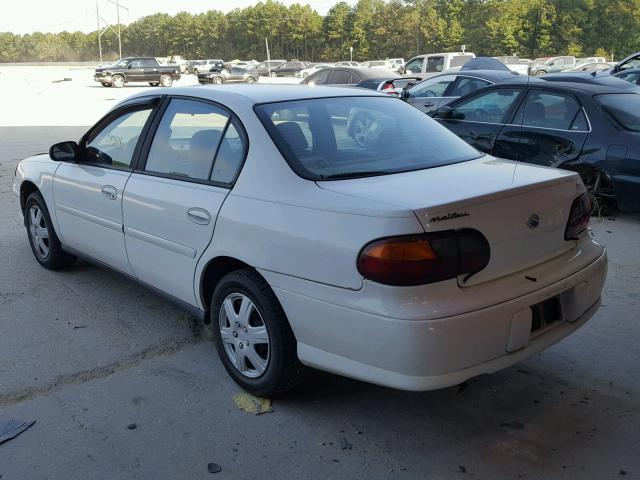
[624, 108]
[122, 63]
[347, 137]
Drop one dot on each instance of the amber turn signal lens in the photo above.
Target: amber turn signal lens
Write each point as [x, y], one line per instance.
[421, 259]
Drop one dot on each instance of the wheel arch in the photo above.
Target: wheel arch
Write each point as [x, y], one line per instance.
[213, 272]
[27, 187]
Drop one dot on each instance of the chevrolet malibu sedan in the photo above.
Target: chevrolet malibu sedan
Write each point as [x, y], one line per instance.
[414, 264]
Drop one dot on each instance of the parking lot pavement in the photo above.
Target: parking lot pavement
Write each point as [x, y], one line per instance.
[85, 353]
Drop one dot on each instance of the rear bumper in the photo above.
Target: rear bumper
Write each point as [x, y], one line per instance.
[436, 353]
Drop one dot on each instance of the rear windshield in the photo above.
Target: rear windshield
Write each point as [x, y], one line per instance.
[348, 137]
[624, 108]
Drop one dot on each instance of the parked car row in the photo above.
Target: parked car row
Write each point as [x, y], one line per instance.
[588, 123]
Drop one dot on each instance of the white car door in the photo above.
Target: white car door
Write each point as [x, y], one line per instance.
[172, 199]
[88, 193]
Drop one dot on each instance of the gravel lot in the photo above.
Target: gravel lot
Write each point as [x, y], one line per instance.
[86, 353]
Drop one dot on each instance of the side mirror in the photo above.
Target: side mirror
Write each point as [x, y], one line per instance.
[64, 152]
[404, 94]
[444, 112]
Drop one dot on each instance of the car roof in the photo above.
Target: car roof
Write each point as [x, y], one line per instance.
[589, 88]
[491, 75]
[627, 70]
[366, 73]
[606, 81]
[264, 93]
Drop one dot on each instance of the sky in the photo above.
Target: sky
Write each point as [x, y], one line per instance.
[28, 16]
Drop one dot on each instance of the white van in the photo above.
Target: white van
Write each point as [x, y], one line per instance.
[433, 63]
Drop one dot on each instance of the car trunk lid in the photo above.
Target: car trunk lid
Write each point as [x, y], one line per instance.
[521, 209]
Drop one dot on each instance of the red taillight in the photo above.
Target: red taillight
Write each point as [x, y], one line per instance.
[387, 86]
[578, 217]
[427, 258]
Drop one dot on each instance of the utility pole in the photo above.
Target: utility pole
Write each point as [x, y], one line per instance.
[99, 31]
[266, 42]
[119, 33]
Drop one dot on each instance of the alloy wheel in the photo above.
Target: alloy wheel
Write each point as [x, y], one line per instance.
[39, 232]
[361, 128]
[244, 335]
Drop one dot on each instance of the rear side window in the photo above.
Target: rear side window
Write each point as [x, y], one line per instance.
[187, 140]
[548, 110]
[230, 155]
[347, 137]
[340, 77]
[623, 108]
[319, 78]
[490, 107]
[435, 64]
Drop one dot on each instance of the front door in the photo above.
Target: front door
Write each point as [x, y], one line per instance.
[479, 119]
[172, 200]
[135, 72]
[548, 129]
[88, 194]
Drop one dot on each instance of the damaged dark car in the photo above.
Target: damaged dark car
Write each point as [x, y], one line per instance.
[593, 129]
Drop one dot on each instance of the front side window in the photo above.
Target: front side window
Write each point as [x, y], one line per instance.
[548, 110]
[490, 107]
[415, 65]
[187, 139]
[347, 137]
[467, 85]
[114, 145]
[434, 87]
[624, 108]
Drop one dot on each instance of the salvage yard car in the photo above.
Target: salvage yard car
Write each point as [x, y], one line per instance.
[137, 69]
[591, 127]
[414, 264]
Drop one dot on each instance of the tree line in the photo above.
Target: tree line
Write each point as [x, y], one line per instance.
[375, 29]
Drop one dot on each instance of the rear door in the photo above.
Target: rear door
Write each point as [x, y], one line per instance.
[151, 72]
[549, 128]
[172, 199]
[478, 119]
[88, 194]
[427, 95]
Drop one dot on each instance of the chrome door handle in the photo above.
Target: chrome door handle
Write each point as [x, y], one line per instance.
[110, 192]
[199, 216]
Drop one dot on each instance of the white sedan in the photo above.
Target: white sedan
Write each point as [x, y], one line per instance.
[415, 263]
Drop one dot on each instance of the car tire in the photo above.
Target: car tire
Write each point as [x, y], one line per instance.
[166, 80]
[117, 81]
[540, 73]
[244, 309]
[195, 72]
[251, 80]
[44, 242]
[154, 84]
[274, 74]
[217, 80]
